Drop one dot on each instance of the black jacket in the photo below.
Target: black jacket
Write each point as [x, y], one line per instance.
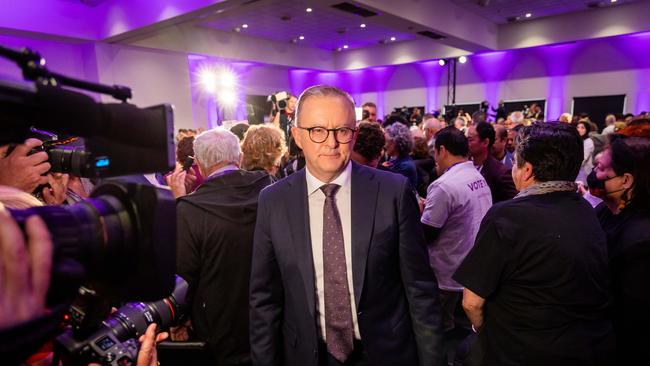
[499, 178]
[215, 241]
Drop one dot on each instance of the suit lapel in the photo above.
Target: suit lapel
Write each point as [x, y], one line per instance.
[298, 215]
[364, 203]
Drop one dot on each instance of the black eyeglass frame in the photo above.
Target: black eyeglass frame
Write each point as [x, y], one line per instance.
[335, 130]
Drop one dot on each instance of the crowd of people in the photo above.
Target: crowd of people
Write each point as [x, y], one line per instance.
[317, 239]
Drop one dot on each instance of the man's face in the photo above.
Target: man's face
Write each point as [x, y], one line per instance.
[327, 159]
[499, 144]
[291, 104]
[372, 113]
[476, 145]
[510, 143]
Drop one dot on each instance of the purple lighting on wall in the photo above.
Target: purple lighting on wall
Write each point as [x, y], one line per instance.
[431, 73]
[492, 68]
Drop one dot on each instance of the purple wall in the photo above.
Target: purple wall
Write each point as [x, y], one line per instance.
[495, 70]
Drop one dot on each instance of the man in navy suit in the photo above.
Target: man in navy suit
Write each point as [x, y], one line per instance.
[340, 272]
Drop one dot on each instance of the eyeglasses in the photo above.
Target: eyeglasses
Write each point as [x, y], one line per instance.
[342, 135]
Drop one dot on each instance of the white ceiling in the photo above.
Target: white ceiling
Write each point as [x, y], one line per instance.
[324, 27]
[499, 11]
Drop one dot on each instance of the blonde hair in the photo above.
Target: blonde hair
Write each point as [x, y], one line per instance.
[262, 147]
[16, 199]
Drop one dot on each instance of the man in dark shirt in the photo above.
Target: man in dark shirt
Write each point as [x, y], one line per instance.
[215, 245]
[481, 138]
[537, 280]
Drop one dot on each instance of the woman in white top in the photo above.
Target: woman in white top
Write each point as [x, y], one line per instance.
[584, 128]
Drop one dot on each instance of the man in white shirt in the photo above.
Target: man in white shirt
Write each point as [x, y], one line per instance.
[456, 203]
[339, 273]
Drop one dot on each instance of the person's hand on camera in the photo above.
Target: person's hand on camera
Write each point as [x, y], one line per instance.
[56, 193]
[23, 171]
[176, 181]
[24, 270]
[181, 333]
[148, 356]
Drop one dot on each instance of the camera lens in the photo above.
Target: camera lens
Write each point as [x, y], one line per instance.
[73, 161]
[132, 319]
[115, 236]
[282, 104]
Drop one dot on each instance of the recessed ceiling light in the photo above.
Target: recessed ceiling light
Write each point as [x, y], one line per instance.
[393, 39]
[301, 37]
[462, 59]
[345, 46]
[244, 26]
[309, 10]
[363, 25]
[528, 15]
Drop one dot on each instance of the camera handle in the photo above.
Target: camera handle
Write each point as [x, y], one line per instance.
[33, 67]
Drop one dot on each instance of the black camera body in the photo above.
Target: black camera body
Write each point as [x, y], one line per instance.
[115, 340]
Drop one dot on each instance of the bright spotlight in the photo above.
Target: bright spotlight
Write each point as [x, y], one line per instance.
[227, 98]
[442, 62]
[393, 39]
[208, 80]
[462, 59]
[227, 79]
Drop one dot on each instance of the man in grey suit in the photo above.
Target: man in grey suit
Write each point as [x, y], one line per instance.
[340, 272]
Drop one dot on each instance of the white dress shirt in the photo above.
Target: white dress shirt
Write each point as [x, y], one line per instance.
[316, 199]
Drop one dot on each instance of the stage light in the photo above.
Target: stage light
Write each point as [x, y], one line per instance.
[309, 10]
[345, 46]
[226, 79]
[528, 15]
[301, 38]
[208, 80]
[462, 59]
[363, 25]
[442, 62]
[244, 26]
[393, 39]
[612, 1]
[227, 98]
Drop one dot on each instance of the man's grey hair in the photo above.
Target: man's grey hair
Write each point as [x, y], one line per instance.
[322, 91]
[216, 146]
[401, 135]
[432, 123]
[517, 117]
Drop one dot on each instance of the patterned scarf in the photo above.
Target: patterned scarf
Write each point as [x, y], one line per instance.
[549, 187]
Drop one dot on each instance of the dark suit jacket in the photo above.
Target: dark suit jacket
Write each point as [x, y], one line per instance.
[215, 244]
[394, 287]
[499, 178]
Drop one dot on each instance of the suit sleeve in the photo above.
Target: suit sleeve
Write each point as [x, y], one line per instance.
[188, 263]
[419, 281]
[266, 294]
[507, 185]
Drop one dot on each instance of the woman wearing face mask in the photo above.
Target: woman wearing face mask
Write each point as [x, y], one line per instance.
[623, 177]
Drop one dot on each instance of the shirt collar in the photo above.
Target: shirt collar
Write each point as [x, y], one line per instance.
[222, 170]
[343, 180]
